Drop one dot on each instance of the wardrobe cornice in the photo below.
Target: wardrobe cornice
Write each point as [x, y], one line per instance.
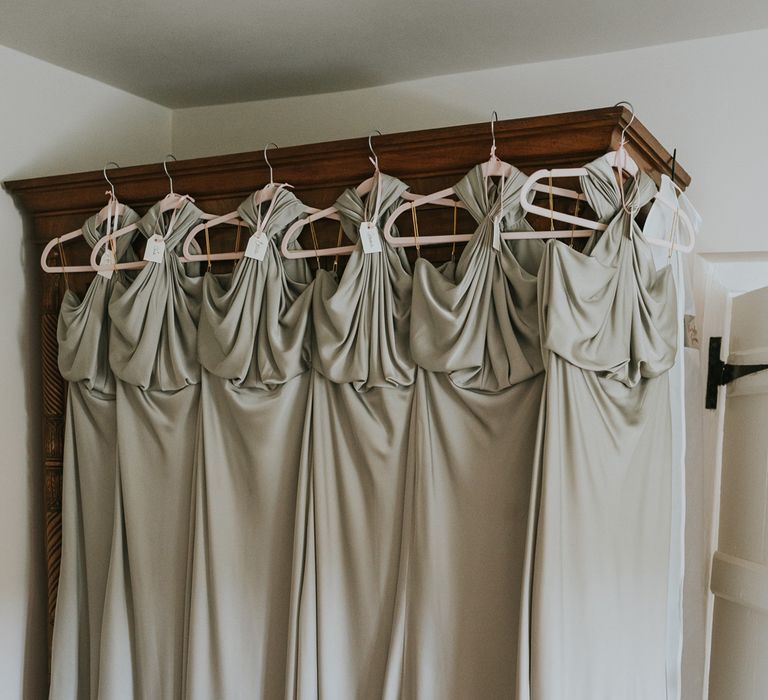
[557, 140]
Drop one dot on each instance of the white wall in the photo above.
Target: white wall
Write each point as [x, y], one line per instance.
[51, 121]
[704, 97]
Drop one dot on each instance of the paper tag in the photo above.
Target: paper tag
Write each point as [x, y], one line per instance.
[496, 233]
[107, 259]
[369, 235]
[691, 332]
[257, 246]
[155, 250]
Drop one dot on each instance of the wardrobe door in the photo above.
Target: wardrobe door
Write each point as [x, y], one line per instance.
[740, 567]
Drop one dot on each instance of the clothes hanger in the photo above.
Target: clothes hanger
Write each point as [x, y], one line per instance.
[493, 167]
[619, 160]
[261, 196]
[622, 162]
[110, 213]
[680, 217]
[331, 212]
[328, 213]
[171, 202]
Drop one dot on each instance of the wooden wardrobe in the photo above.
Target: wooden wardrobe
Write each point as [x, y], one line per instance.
[426, 160]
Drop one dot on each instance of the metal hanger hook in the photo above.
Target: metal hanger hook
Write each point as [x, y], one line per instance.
[674, 164]
[165, 167]
[375, 158]
[494, 119]
[631, 117]
[109, 182]
[266, 160]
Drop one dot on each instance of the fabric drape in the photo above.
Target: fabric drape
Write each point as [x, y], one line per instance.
[254, 349]
[449, 483]
[599, 534]
[474, 336]
[352, 475]
[153, 354]
[88, 478]
[662, 223]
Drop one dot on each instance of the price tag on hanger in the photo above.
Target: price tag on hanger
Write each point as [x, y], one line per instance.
[257, 246]
[107, 259]
[369, 236]
[155, 250]
[496, 233]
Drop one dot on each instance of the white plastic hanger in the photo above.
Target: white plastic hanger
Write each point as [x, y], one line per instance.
[110, 213]
[171, 202]
[622, 162]
[679, 219]
[362, 189]
[265, 194]
[328, 213]
[618, 159]
[493, 167]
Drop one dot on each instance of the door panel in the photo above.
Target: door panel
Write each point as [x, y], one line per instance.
[739, 662]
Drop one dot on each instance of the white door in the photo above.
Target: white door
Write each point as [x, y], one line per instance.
[739, 661]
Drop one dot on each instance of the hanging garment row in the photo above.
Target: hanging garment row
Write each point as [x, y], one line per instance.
[427, 483]
[103, 256]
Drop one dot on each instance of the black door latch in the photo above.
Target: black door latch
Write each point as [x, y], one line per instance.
[720, 373]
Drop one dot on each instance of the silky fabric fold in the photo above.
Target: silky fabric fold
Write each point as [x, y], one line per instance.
[88, 475]
[475, 339]
[595, 593]
[351, 481]
[662, 223]
[153, 354]
[254, 347]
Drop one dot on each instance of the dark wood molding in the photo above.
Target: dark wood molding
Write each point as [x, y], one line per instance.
[556, 140]
[427, 160]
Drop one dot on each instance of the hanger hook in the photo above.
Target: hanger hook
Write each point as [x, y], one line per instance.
[165, 167]
[674, 163]
[631, 117]
[494, 119]
[109, 182]
[374, 159]
[266, 160]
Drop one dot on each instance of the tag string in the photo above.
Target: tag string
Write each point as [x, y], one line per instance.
[551, 205]
[416, 229]
[261, 222]
[377, 184]
[174, 216]
[111, 228]
[673, 230]
[626, 204]
[453, 245]
[113, 246]
[498, 207]
[502, 196]
[63, 263]
[335, 266]
[208, 246]
[237, 236]
[573, 225]
[314, 241]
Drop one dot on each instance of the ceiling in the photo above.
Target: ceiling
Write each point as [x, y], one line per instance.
[191, 52]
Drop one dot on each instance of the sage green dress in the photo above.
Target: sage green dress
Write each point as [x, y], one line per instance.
[352, 474]
[153, 354]
[596, 583]
[88, 479]
[254, 347]
[474, 336]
